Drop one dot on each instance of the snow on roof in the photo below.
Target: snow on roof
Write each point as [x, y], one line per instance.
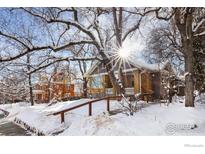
[141, 64]
[138, 63]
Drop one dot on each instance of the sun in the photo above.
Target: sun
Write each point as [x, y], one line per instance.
[123, 53]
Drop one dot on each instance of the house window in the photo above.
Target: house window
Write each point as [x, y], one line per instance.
[132, 83]
[96, 82]
[129, 81]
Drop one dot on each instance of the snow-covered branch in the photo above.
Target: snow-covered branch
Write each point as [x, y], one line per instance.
[14, 38]
[132, 29]
[42, 48]
[198, 25]
[74, 23]
[200, 34]
[56, 60]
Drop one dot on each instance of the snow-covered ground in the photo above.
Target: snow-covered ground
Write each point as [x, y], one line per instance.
[155, 119]
[1, 112]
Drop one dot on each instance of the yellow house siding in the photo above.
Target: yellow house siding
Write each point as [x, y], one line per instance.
[150, 82]
[145, 78]
[146, 83]
[137, 82]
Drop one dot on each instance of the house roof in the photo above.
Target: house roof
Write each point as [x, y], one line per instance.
[140, 64]
[137, 65]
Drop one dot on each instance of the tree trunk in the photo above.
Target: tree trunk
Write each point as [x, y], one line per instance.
[85, 88]
[118, 30]
[49, 91]
[189, 83]
[30, 90]
[29, 79]
[184, 23]
[115, 82]
[188, 47]
[121, 80]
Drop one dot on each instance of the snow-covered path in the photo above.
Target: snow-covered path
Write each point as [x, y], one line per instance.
[8, 128]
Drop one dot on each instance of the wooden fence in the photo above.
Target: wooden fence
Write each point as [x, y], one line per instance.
[89, 103]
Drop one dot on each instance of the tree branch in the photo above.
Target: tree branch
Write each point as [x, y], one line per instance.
[14, 38]
[64, 59]
[135, 27]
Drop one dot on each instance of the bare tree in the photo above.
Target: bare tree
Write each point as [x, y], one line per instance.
[83, 69]
[66, 28]
[28, 61]
[13, 87]
[86, 23]
[185, 18]
[189, 23]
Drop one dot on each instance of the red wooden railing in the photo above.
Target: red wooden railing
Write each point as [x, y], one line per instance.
[89, 103]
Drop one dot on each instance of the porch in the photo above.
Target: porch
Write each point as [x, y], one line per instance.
[111, 91]
[146, 83]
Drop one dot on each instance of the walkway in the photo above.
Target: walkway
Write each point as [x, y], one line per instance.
[8, 128]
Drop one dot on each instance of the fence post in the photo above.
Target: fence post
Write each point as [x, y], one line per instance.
[108, 104]
[62, 117]
[90, 109]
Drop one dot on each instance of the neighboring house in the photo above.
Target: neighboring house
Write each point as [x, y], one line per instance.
[60, 88]
[78, 90]
[139, 77]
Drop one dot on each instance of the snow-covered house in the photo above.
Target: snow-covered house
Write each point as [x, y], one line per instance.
[139, 77]
[59, 88]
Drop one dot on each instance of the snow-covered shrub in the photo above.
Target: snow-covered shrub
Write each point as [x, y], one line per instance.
[53, 101]
[130, 105]
[178, 99]
[200, 98]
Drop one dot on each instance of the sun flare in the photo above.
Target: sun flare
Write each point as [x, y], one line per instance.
[123, 53]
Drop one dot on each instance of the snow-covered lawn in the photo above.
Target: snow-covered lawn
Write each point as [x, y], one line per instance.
[38, 116]
[154, 119]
